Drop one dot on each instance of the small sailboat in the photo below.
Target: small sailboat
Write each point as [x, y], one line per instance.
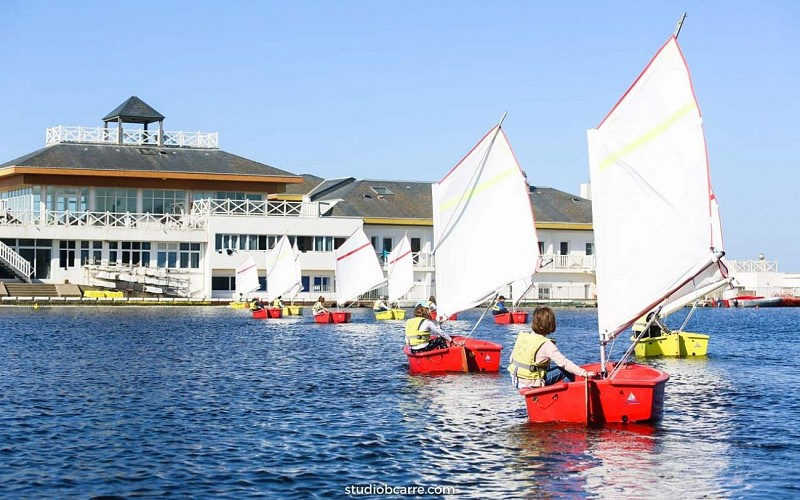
[476, 251]
[652, 207]
[291, 309]
[401, 278]
[246, 282]
[515, 315]
[357, 272]
[281, 274]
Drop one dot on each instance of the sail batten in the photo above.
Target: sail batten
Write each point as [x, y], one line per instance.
[484, 231]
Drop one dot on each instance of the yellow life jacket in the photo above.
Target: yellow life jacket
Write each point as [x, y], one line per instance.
[277, 303]
[523, 359]
[254, 305]
[496, 307]
[415, 336]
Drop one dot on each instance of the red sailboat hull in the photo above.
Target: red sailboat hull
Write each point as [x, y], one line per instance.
[474, 356]
[333, 317]
[260, 314]
[451, 318]
[636, 394]
[511, 317]
[267, 313]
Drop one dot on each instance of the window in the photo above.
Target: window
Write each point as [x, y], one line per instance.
[381, 190]
[563, 248]
[135, 253]
[66, 254]
[544, 292]
[416, 244]
[167, 256]
[163, 201]
[223, 283]
[62, 199]
[321, 284]
[91, 252]
[190, 255]
[590, 248]
[114, 200]
[323, 243]
[541, 248]
[373, 240]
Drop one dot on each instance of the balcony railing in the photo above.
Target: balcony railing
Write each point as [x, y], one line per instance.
[140, 137]
[568, 262]
[251, 208]
[172, 222]
[752, 266]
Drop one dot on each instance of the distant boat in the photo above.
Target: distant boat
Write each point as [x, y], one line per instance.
[401, 278]
[282, 277]
[477, 250]
[757, 301]
[357, 272]
[246, 282]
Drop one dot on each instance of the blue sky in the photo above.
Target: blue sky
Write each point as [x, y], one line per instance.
[402, 90]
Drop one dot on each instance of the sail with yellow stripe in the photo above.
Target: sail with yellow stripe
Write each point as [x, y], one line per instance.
[483, 225]
[655, 217]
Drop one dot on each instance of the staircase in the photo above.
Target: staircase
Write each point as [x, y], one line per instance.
[13, 262]
[30, 290]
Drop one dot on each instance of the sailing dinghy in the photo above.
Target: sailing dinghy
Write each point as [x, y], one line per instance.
[477, 252]
[357, 272]
[652, 207]
[401, 278]
[281, 274]
[246, 282]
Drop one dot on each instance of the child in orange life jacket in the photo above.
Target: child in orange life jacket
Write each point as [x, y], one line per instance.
[533, 352]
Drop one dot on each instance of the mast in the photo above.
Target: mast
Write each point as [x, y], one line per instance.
[679, 25]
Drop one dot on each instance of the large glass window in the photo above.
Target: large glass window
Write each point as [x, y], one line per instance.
[163, 201]
[135, 253]
[62, 199]
[115, 200]
[589, 248]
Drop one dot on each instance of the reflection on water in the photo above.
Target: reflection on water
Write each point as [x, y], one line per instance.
[206, 402]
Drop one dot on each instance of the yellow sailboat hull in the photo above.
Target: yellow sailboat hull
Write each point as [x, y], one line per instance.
[292, 311]
[391, 314]
[239, 305]
[677, 345]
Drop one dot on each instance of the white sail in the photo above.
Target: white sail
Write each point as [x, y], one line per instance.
[483, 226]
[247, 276]
[652, 203]
[298, 272]
[357, 268]
[281, 272]
[401, 270]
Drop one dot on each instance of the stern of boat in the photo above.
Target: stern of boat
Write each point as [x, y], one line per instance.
[636, 394]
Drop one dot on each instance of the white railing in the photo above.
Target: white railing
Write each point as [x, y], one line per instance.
[270, 208]
[141, 137]
[20, 266]
[752, 266]
[568, 262]
[174, 222]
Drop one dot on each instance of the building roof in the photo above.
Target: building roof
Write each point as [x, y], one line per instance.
[376, 199]
[134, 110]
[381, 199]
[130, 158]
[554, 206]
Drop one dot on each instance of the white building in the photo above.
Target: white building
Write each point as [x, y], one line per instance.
[169, 213]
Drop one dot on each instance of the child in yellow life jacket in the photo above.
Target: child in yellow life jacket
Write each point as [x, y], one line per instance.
[533, 352]
[419, 330]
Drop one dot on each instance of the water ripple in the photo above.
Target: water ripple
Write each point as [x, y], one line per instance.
[206, 402]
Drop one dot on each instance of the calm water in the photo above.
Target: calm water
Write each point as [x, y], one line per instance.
[208, 403]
